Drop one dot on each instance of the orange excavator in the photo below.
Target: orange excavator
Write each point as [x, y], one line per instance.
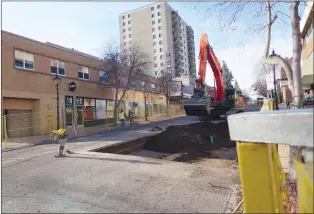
[200, 103]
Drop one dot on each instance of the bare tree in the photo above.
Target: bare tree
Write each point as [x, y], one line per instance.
[260, 86]
[230, 12]
[166, 87]
[124, 66]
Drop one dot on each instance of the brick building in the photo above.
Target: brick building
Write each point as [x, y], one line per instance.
[307, 29]
[29, 93]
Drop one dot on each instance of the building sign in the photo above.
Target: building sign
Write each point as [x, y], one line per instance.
[168, 54]
[72, 86]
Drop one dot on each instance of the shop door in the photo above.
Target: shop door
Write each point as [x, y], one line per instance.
[80, 110]
[69, 119]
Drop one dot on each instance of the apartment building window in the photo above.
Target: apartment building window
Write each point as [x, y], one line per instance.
[132, 83]
[123, 30]
[161, 64]
[103, 77]
[159, 20]
[129, 15]
[154, 43]
[160, 49]
[124, 43]
[129, 28]
[154, 50]
[160, 35]
[153, 15]
[153, 22]
[83, 73]
[123, 24]
[129, 22]
[154, 36]
[130, 42]
[160, 42]
[161, 56]
[155, 58]
[155, 73]
[123, 17]
[153, 88]
[152, 8]
[118, 81]
[57, 67]
[124, 37]
[129, 35]
[158, 6]
[159, 27]
[153, 29]
[143, 85]
[156, 65]
[24, 60]
[158, 13]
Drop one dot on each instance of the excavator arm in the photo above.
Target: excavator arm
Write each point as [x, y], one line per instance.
[207, 55]
[200, 104]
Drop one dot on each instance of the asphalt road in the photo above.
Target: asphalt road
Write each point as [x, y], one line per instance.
[34, 181]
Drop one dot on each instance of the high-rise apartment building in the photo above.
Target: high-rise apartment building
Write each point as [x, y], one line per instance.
[161, 33]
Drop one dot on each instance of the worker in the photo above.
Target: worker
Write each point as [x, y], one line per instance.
[288, 104]
[131, 117]
[122, 118]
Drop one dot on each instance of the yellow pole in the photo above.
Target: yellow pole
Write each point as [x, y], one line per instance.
[49, 125]
[5, 131]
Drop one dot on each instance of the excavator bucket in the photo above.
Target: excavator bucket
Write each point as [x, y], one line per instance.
[197, 107]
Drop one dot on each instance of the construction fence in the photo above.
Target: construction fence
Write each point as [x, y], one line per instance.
[264, 185]
[30, 127]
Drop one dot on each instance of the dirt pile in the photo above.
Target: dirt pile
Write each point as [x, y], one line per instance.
[194, 138]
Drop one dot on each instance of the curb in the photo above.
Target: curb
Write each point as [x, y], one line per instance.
[44, 142]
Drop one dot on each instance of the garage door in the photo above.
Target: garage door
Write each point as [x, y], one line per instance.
[19, 123]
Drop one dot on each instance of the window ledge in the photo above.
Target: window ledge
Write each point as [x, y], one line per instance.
[24, 69]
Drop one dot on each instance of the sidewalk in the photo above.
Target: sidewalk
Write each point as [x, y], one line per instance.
[18, 143]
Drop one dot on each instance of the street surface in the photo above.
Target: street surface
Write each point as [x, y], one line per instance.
[34, 181]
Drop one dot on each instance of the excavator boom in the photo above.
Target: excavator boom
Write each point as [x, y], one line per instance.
[200, 104]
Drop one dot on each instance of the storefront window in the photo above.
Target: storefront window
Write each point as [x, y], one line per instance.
[110, 108]
[89, 109]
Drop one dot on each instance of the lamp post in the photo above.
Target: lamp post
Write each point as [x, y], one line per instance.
[273, 54]
[57, 81]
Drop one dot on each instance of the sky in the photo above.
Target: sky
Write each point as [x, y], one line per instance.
[87, 26]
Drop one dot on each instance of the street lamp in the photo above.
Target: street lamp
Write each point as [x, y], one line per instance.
[275, 88]
[57, 81]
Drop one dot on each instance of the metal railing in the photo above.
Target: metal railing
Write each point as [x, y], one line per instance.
[262, 177]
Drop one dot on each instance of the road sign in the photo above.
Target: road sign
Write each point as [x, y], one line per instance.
[168, 54]
[168, 60]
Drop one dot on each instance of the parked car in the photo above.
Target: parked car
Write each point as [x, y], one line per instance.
[308, 102]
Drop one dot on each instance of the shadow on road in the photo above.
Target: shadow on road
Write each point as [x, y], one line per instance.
[117, 160]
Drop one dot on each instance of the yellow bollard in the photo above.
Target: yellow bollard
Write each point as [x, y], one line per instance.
[259, 179]
[5, 131]
[49, 125]
[261, 175]
[305, 185]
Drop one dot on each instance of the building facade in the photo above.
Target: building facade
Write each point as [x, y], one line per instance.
[162, 34]
[86, 91]
[307, 28]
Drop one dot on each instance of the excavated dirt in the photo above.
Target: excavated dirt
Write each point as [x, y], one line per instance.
[194, 140]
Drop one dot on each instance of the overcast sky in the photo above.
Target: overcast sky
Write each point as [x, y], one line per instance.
[87, 26]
